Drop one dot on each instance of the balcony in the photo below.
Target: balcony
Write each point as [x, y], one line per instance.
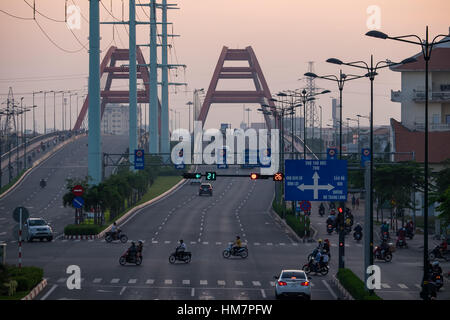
[396, 96]
[420, 126]
[436, 96]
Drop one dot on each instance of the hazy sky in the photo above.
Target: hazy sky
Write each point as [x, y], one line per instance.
[285, 35]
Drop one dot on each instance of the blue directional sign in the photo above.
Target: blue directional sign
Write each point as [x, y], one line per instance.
[139, 159]
[365, 156]
[316, 180]
[332, 153]
[78, 202]
[180, 166]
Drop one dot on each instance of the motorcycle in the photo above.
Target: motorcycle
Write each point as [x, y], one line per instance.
[347, 230]
[311, 266]
[184, 256]
[357, 235]
[437, 279]
[230, 251]
[409, 233]
[387, 256]
[401, 243]
[385, 235]
[330, 228]
[321, 211]
[110, 236]
[126, 258]
[436, 254]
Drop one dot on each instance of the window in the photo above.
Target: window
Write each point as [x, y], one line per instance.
[436, 119]
[447, 118]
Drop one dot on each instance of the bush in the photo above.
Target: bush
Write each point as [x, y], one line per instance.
[27, 277]
[354, 285]
[294, 222]
[82, 229]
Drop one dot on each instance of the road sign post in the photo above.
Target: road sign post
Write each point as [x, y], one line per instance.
[365, 156]
[332, 153]
[139, 160]
[316, 180]
[20, 214]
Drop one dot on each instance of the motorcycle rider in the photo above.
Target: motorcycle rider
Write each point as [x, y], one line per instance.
[132, 250]
[317, 259]
[319, 245]
[236, 245]
[435, 268]
[326, 246]
[114, 230]
[181, 248]
[321, 208]
[324, 260]
[443, 246]
[383, 247]
[139, 248]
[358, 228]
[402, 235]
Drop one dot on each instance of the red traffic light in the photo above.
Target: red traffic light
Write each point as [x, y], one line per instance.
[340, 210]
[341, 244]
[254, 176]
[278, 176]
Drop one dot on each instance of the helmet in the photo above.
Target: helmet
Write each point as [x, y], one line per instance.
[435, 264]
[327, 241]
[140, 242]
[181, 241]
[237, 237]
[132, 243]
[320, 240]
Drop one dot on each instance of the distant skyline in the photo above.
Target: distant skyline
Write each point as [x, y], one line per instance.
[285, 35]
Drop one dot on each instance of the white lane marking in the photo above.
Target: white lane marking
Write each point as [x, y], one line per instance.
[282, 243]
[385, 285]
[60, 280]
[221, 282]
[149, 281]
[3, 233]
[418, 286]
[256, 283]
[97, 280]
[263, 293]
[329, 289]
[256, 244]
[204, 282]
[131, 281]
[187, 282]
[153, 241]
[238, 283]
[115, 280]
[334, 245]
[121, 291]
[193, 242]
[167, 242]
[49, 292]
[168, 281]
[269, 243]
[205, 242]
[219, 243]
[403, 286]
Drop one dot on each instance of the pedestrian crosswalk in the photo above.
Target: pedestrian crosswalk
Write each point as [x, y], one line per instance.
[207, 283]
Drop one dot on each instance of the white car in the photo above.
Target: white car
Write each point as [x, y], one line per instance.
[293, 283]
[38, 228]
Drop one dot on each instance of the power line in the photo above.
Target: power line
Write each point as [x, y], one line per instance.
[42, 13]
[54, 43]
[17, 17]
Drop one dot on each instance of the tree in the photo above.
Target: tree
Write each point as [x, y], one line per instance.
[444, 206]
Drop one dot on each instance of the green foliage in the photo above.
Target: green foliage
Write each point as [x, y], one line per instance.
[296, 223]
[26, 277]
[354, 285]
[444, 206]
[82, 229]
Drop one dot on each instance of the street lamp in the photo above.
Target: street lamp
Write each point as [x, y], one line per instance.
[340, 82]
[357, 120]
[190, 103]
[371, 73]
[34, 122]
[427, 48]
[359, 141]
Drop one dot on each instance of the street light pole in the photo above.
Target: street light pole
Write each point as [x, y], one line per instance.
[427, 48]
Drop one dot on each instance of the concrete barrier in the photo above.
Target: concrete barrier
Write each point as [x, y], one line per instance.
[36, 290]
[344, 293]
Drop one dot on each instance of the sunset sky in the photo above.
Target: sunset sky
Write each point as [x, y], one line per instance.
[285, 35]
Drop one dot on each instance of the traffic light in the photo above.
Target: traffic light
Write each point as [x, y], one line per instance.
[341, 244]
[278, 176]
[210, 175]
[254, 176]
[190, 175]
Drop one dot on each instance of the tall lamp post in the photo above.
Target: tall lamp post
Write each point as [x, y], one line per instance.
[34, 122]
[427, 48]
[359, 140]
[356, 120]
[340, 82]
[190, 103]
[371, 73]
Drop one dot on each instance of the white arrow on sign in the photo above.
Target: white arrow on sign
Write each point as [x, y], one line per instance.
[316, 187]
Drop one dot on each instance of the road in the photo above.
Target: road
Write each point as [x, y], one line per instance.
[68, 162]
[206, 224]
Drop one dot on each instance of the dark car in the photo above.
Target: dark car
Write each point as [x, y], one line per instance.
[205, 188]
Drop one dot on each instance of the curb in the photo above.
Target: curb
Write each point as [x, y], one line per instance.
[80, 237]
[36, 290]
[36, 163]
[346, 295]
[133, 210]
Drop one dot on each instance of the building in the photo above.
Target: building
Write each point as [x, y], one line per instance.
[115, 119]
[407, 136]
[412, 93]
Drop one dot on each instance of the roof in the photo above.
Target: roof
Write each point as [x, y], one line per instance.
[439, 61]
[406, 140]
